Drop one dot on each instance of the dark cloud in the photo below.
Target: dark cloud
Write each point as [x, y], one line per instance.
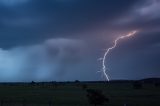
[75, 33]
[37, 20]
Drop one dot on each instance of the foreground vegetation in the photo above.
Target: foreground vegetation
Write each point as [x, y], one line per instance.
[75, 94]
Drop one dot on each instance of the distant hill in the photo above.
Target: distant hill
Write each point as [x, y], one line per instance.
[145, 80]
[150, 80]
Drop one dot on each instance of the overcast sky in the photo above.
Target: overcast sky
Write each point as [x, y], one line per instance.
[61, 40]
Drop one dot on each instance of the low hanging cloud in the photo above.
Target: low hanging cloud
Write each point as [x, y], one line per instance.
[40, 62]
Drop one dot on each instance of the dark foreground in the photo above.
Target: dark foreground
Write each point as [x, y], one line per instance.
[75, 94]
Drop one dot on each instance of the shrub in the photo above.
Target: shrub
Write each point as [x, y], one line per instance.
[96, 97]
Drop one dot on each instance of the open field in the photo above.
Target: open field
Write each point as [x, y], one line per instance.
[72, 94]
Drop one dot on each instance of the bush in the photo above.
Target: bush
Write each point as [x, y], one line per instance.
[96, 97]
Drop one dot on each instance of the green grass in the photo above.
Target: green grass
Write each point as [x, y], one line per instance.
[73, 95]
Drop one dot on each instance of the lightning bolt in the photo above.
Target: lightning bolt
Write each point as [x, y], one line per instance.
[109, 49]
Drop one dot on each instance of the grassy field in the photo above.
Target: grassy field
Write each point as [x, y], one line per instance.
[72, 94]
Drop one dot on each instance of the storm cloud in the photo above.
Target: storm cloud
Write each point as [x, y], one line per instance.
[62, 39]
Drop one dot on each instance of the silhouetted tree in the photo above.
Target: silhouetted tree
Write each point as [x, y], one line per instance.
[77, 81]
[137, 85]
[33, 83]
[96, 97]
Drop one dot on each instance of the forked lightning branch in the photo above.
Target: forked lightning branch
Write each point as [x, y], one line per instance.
[104, 68]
